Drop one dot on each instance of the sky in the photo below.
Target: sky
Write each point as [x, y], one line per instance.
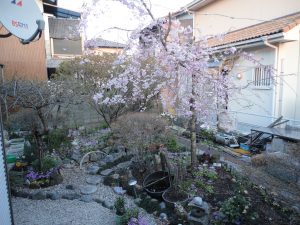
[116, 15]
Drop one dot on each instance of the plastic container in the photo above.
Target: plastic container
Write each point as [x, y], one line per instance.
[11, 159]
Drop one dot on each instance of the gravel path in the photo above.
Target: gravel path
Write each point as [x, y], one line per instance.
[73, 212]
[60, 212]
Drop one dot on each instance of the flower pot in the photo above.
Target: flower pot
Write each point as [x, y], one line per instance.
[156, 183]
[172, 196]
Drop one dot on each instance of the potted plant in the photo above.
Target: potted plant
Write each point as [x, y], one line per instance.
[119, 206]
[175, 194]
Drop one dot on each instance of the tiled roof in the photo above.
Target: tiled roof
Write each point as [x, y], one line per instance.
[101, 43]
[279, 25]
[62, 28]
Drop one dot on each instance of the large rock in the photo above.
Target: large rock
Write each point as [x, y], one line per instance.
[71, 196]
[108, 159]
[94, 180]
[119, 190]
[55, 179]
[93, 169]
[106, 172]
[54, 195]
[40, 195]
[88, 189]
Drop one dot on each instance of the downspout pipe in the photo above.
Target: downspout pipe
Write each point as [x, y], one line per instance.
[275, 93]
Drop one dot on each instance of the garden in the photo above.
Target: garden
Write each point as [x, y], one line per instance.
[130, 163]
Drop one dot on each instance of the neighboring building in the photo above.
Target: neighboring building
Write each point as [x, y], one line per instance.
[37, 60]
[25, 61]
[271, 34]
[63, 41]
[99, 46]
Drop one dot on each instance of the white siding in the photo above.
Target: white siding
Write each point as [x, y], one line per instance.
[5, 216]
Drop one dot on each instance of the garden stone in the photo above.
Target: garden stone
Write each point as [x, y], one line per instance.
[154, 201]
[40, 195]
[76, 156]
[296, 208]
[163, 216]
[93, 157]
[107, 149]
[119, 190]
[94, 180]
[66, 161]
[124, 165]
[108, 159]
[93, 169]
[162, 205]
[98, 200]
[70, 187]
[86, 198]
[116, 176]
[55, 179]
[68, 166]
[88, 189]
[196, 201]
[71, 196]
[21, 194]
[107, 205]
[106, 172]
[54, 195]
[137, 201]
[101, 163]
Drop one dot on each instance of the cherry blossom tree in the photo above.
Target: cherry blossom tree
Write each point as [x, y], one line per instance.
[179, 65]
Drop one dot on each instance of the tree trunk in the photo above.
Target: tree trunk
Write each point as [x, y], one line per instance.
[193, 126]
[44, 122]
[39, 148]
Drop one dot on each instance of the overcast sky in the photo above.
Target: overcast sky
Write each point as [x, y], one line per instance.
[118, 16]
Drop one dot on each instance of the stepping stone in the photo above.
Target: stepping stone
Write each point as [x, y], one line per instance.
[71, 196]
[86, 198]
[88, 189]
[93, 169]
[93, 180]
[119, 190]
[106, 172]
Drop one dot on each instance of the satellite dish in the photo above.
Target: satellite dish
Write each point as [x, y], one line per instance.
[22, 18]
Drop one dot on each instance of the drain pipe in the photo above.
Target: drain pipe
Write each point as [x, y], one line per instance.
[275, 95]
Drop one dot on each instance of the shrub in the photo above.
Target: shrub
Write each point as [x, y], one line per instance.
[48, 163]
[56, 138]
[130, 213]
[171, 144]
[259, 160]
[235, 208]
[139, 130]
[119, 206]
[29, 154]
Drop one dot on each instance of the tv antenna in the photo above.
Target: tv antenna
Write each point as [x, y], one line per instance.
[21, 18]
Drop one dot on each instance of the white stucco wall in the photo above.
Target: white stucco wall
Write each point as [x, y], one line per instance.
[245, 13]
[289, 82]
[251, 106]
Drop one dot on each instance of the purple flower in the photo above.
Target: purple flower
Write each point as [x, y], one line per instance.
[138, 221]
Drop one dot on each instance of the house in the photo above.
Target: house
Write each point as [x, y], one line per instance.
[99, 46]
[37, 60]
[26, 61]
[63, 40]
[270, 33]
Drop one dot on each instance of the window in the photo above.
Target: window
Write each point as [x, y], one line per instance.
[67, 47]
[262, 77]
